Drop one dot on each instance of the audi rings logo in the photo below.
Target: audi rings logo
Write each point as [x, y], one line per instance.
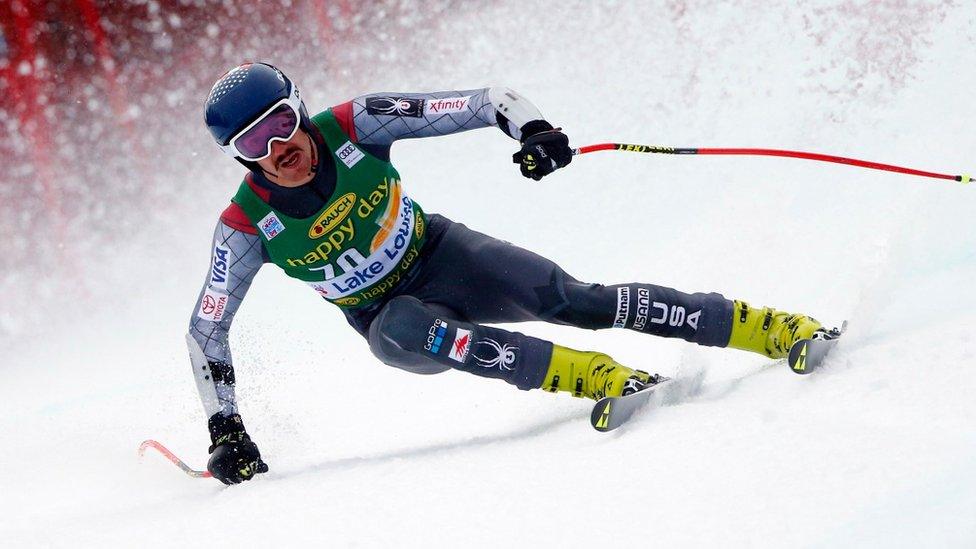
[395, 106]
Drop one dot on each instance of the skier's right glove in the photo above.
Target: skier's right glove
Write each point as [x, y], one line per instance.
[544, 150]
[233, 457]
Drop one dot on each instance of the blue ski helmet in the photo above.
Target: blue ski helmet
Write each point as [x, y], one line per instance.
[241, 96]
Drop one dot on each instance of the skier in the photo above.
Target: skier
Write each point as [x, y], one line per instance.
[322, 201]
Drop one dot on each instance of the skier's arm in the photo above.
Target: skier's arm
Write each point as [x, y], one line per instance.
[236, 254]
[379, 119]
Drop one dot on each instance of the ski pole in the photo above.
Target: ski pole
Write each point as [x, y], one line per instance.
[172, 457]
[964, 178]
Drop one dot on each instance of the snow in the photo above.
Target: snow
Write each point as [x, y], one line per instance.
[876, 450]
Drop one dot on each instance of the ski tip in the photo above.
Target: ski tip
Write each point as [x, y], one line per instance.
[600, 417]
[808, 355]
[798, 357]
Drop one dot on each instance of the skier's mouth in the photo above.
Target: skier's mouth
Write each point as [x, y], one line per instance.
[290, 160]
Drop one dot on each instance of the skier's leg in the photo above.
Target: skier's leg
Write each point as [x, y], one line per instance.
[421, 338]
[488, 280]
[700, 318]
[429, 339]
[705, 319]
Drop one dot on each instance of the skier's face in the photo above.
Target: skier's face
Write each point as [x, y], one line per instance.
[290, 162]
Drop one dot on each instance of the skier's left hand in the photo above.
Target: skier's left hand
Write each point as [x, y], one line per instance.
[544, 150]
[234, 458]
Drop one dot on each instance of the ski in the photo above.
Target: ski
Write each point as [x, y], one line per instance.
[612, 412]
[172, 457]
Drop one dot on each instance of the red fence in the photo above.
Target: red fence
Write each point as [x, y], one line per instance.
[101, 105]
[75, 74]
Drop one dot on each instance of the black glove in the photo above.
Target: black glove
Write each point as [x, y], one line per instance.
[233, 457]
[544, 150]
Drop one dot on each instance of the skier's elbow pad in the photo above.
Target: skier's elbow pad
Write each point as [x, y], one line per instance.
[203, 376]
[513, 107]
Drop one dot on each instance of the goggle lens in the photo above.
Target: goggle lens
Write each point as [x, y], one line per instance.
[255, 143]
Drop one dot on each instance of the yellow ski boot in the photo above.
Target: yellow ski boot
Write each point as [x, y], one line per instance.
[593, 375]
[768, 331]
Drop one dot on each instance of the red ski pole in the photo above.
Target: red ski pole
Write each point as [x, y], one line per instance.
[964, 178]
[172, 457]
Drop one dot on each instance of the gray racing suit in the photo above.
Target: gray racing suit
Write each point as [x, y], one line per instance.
[434, 319]
[237, 252]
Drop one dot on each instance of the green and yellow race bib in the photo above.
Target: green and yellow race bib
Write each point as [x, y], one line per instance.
[357, 247]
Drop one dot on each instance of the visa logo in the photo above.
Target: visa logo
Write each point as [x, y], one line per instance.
[219, 266]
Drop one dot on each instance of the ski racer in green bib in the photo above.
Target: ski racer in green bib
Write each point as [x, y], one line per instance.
[322, 201]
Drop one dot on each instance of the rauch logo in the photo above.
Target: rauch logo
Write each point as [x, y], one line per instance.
[332, 216]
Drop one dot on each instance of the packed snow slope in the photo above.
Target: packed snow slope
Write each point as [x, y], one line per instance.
[876, 450]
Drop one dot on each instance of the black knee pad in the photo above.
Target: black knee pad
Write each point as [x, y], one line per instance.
[401, 319]
[394, 336]
[418, 337]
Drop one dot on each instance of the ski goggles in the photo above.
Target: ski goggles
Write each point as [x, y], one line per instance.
[278, 123]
